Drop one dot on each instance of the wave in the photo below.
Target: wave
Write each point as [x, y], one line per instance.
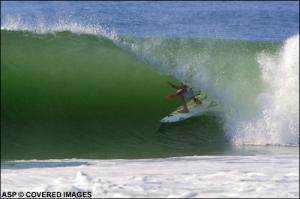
[71, 95]
[87, 95]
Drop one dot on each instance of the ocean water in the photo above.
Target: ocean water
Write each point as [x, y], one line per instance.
[89, 79]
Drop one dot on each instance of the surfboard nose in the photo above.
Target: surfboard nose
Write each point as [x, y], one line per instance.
[164, 120]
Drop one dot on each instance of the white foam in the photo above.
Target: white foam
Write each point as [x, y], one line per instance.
[277, 121]
[198, 176]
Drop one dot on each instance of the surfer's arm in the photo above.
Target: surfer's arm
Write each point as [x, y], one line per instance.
[179, 92]
[172, 95]
[173, 85]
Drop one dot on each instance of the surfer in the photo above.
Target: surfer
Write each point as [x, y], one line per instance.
[184, 93]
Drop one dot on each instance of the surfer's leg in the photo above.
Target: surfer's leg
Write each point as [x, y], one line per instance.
[185, 108]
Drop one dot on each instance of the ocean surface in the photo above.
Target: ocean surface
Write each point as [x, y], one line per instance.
[88, 80]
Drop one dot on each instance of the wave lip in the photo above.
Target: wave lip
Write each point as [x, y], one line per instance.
[41, 26]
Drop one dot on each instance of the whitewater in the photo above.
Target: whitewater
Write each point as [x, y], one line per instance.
[184, 177]
[83, 90]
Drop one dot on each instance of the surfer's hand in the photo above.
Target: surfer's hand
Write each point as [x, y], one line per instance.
[170, 96]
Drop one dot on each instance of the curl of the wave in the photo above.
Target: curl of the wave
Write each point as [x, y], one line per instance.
[277, 121]
[42, 26]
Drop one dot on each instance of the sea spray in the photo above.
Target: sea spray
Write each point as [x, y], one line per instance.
[277, 119]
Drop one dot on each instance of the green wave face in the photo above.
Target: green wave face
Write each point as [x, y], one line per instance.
[66, 95]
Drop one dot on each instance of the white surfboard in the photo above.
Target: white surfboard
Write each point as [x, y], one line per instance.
[194, 108]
